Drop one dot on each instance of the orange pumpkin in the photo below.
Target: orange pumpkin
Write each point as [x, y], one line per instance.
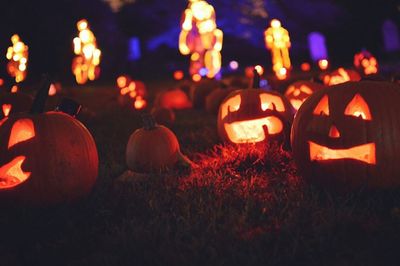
[345, 136]
[45, 158]
[153, 148]
[299, 91]
[172, 99]
[252, 115]
[340, 75]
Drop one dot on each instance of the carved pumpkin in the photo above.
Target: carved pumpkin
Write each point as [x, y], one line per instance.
[340, 75]
[45, 158]
[11, 103]
[173, 99]
[214, 99]
[345, 136]
[153, 148]
[366, 63]
[252, 115]
[299, 91]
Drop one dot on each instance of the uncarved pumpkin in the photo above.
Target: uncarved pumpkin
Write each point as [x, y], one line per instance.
[346, 136]
[153, 148]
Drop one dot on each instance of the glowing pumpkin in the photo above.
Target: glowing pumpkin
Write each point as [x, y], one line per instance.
[299, 91]
[173, 99]
[366, 63]
[45, 158]
[153, 148]
[252, 115]
[345, 136]
[11, 103]
[340, 75]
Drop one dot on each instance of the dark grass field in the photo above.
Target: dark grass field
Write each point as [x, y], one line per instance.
[240, 206]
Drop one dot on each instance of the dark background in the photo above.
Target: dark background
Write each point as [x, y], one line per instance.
[48, 28]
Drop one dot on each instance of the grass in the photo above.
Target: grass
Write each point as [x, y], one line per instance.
[241, 206]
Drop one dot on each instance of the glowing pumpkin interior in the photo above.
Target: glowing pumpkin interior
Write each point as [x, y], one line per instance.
[6, 108]
[297, 95]
[11, 174]
[366, 153]
[257, 129]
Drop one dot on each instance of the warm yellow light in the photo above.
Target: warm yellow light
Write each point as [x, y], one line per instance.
[201, 38]
[323, 64]
[17, 54]
[196, 77]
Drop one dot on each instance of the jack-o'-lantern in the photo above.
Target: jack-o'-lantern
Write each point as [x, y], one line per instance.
[299, 91]
[252, 115]
[366, 63]
[172, 99]
[345, 136]
[45, 158]
[340, 75]
[11, 103]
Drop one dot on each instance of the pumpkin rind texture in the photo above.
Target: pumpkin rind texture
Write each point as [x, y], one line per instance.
[152, 150]
[345, 137]
[59, 157]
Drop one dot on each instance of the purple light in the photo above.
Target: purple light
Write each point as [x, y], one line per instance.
[203, 72]
[317, 46]
[234, 65]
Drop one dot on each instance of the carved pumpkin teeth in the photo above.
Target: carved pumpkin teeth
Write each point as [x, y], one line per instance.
[11, 174]
[364, 153]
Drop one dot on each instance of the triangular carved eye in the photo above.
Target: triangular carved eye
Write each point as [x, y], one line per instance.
[322, 107]
[358, 107]
[21, 131]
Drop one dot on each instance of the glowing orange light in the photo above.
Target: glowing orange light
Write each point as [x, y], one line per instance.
[122, 81]
[21, 131]
[14, 89]
[278, 41]
[358, 108]
[366, 62]
[52, 90]
[281, 74]
[196, 77]
[252, 131]
[85, 65]
[201, 38]
[305, 67]
[322, 107]
[17, 54]
[140, 103]
[178, 75]
[364, 153]
[1, 82]
[259, 69]
[334, 132]
[323, 64]
[6, 109]
[12, 175]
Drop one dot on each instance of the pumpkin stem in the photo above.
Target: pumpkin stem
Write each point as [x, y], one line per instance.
[41, 96]
[256, 79]
[149, 122]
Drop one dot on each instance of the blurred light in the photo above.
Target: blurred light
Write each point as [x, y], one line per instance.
[14, 89]
[234, 65]
[178, 75]
[196, 77]
[282, 74]
[305, 67]
[203, 71]
[52, 90]
[140, 103]
[134, 52]
[323, 64]
[259, 69]
[1, 82]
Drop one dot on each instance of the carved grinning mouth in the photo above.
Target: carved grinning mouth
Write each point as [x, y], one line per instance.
[251, 131]
[11, 174]
[364, 153]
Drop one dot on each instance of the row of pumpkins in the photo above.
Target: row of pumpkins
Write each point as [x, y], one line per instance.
[342, 135]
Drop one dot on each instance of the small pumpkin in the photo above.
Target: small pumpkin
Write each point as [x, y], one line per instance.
[172, 99]
[340, 75]
[345, 136]
[46, 158]
[299, 91]
[153, 148]
[200, 91]
[252, 115]
[12, 103]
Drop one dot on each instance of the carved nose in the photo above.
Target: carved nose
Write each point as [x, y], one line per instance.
[334, 132]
